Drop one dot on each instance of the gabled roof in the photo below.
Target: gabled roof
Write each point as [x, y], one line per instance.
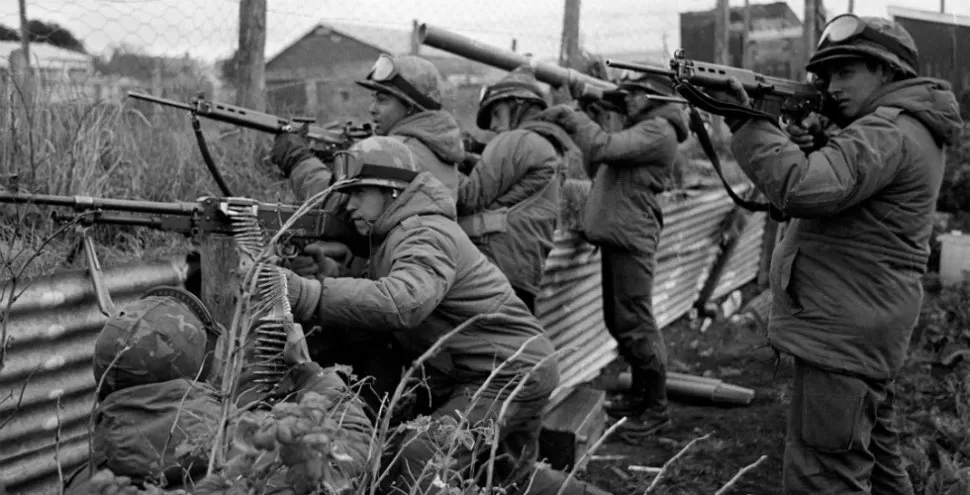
[388, 40]
[45, 55]
[929, 16]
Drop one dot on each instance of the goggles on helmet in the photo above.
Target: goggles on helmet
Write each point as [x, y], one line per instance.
[385, 72]
[346, 169]
[846, 28]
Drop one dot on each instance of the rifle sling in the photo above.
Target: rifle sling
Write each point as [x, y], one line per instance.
[697, 123]
[711, 105]
[207, 156]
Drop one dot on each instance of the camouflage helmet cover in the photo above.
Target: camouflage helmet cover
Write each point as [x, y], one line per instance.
[154, 339]
[521, 83]
[410, 78]
[380, 161]
[897, 47]
[651, 83]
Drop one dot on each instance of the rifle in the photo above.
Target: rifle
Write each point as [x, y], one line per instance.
[324, 142]
[773, 97]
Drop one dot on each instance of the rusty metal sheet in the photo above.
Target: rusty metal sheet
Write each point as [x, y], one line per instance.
[47, 375]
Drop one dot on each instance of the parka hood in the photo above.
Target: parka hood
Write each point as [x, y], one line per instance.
[928, 100]
[437, 129]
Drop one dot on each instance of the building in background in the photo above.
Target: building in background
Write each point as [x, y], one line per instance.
[60, 74]
[943, 41]
[775, 43]
[314, 76]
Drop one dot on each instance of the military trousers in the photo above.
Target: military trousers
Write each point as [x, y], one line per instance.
[842, 437]
[629, 317]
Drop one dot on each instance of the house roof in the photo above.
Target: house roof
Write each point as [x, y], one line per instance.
[773, 10]
[388, 40]
[45, 55]
[928, 16]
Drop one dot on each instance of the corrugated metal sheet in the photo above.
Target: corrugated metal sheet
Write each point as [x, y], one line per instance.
[46, 384]
[55, 322]
[570, 305]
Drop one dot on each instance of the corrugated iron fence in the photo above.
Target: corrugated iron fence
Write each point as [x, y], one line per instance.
[46, 384]
[571, 306]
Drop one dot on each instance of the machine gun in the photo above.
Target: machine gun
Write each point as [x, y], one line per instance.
[324, 141]
[773, 97]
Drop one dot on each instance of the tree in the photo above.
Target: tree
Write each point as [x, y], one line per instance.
[54, 34]
[229, 68]
[8, 34]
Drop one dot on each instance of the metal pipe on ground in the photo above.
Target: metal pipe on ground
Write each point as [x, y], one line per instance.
[689, 386]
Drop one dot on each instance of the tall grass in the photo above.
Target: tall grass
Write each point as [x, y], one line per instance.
[127, 149]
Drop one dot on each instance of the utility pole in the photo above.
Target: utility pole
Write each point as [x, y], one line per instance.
[515, 43]
[746, 61]
[942, 6]
[852, 6]
[569, 50]
[24, 32]
[415, 41]
[722, 33]
[808, 33]
[251, 86]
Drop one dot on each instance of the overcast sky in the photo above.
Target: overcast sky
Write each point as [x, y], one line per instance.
[208, 28]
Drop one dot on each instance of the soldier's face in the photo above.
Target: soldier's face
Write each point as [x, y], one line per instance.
[385, 111]
[636, 101]
[851, 83]
[365, 206]
[501, 116]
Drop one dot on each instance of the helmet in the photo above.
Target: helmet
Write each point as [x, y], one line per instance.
[410, 78]
[520, 84]
[163, 336]
[651, 83]
[376, 161]
[849, 36]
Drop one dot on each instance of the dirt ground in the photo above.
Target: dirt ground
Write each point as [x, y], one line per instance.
[930, 416]
[740, 434]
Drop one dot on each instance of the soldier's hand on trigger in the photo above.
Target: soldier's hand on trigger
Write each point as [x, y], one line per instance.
[804, 134]
[296, 351]
[321, 260]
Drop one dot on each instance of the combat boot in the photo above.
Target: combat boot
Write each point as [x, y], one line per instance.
[644, 406]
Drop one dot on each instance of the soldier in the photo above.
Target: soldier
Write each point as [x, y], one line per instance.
[509, 203]
[846, 277]
[426, 278]
[629, 169]
[407, 106]
[152, 361]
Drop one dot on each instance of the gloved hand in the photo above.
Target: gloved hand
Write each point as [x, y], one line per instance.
[321, 260]
[734, 94]
[296, 351]
[565, 115]
[289, 149]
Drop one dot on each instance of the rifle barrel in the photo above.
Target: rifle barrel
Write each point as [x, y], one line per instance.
[660, 71]
[91, 203]
[161, 101]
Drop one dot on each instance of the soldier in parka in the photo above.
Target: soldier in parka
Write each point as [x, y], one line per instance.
[426, 278]
[629, 169]
[153, 361]
[509, 203]
[846, 276]
[407, 105]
